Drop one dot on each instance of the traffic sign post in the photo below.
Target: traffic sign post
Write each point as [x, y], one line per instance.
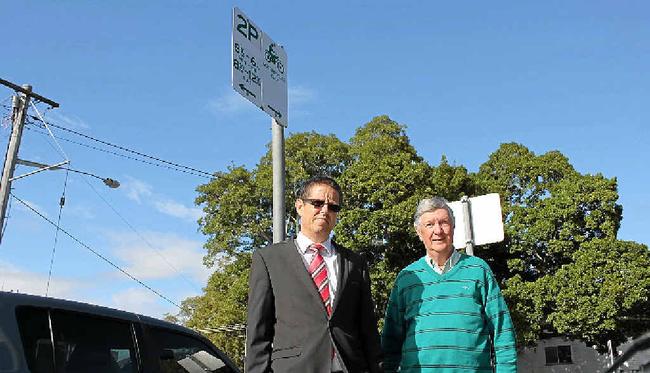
[259, 73]
[259, 68]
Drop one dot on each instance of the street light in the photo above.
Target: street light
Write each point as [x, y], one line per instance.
[111, 183]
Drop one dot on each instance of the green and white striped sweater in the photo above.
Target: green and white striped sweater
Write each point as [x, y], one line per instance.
[448, 322]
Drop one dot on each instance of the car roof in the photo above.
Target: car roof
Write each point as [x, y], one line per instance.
[19, 299]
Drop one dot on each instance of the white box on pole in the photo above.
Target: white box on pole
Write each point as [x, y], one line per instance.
[486, 220]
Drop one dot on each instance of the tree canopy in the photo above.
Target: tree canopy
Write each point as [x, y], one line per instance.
[561, 267]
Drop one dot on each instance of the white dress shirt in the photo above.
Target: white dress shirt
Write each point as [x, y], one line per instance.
[329, 255]
[331, 261]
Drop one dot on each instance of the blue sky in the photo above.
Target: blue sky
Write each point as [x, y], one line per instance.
[154, 76]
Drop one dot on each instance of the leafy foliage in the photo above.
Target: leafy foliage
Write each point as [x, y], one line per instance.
[603, 293]
[223, 304]
[556, 219]
[561, 268]
[238, 204]
[381, 186]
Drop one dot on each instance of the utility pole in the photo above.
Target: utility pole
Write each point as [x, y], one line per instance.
[20, 103]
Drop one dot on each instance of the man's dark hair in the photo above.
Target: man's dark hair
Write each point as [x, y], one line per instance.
[319, 180]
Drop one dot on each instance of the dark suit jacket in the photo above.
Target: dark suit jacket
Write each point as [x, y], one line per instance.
[288, 328]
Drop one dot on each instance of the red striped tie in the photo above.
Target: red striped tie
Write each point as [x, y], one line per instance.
[318, 271]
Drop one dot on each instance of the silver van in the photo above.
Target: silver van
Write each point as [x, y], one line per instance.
[48, 335]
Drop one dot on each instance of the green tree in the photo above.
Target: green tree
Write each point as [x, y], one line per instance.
[559, 263]
[223, 305]
[382, 186]
[555, 220]
[238, 204]
[604, 293]
[238, 219]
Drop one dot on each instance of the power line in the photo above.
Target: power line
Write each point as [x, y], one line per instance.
[126, 149]
[48, 137]
[166, 164]
[116, 154]
[95, 252]
[56, 234]
[143, 239]
[58, 147]
[234, 328]
[4, 226]
[125, 221]
[5, 121]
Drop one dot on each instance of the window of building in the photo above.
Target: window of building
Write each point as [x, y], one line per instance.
[558, 355]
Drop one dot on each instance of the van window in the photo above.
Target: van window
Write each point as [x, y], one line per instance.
[82, 342]
[180, 353]
[34, 330]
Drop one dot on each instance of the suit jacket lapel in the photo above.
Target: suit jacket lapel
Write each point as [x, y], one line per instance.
[344, 271]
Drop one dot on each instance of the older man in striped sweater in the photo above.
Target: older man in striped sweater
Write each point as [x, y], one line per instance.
[446, 312]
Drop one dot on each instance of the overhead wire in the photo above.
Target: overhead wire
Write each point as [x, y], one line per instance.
[3, 104]
[8, 134]
[56, 233]
[233, 328]
[6, 121]
[7, 216]
[48, 139]
[143, 238]
[129, 150]
[165, 164]
[128, 224]
[99, 255]
[116, 154]
[40, 117]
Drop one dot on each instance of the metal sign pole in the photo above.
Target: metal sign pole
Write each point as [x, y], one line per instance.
[277, 149]
[259, 73]
[467, 218]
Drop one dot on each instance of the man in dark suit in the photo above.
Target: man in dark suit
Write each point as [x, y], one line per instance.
[309, 304]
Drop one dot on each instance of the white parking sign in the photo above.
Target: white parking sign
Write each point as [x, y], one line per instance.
[259, 67]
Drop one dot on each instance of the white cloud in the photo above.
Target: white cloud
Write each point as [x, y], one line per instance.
[22, 207]
[140, 192]
[232, 102]
[136, 189]
[178, 210]
[299, 95]
[80, 211]
[16, 279]
[229, 103]
[163, 255]
[138, 300]
[70, 121]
